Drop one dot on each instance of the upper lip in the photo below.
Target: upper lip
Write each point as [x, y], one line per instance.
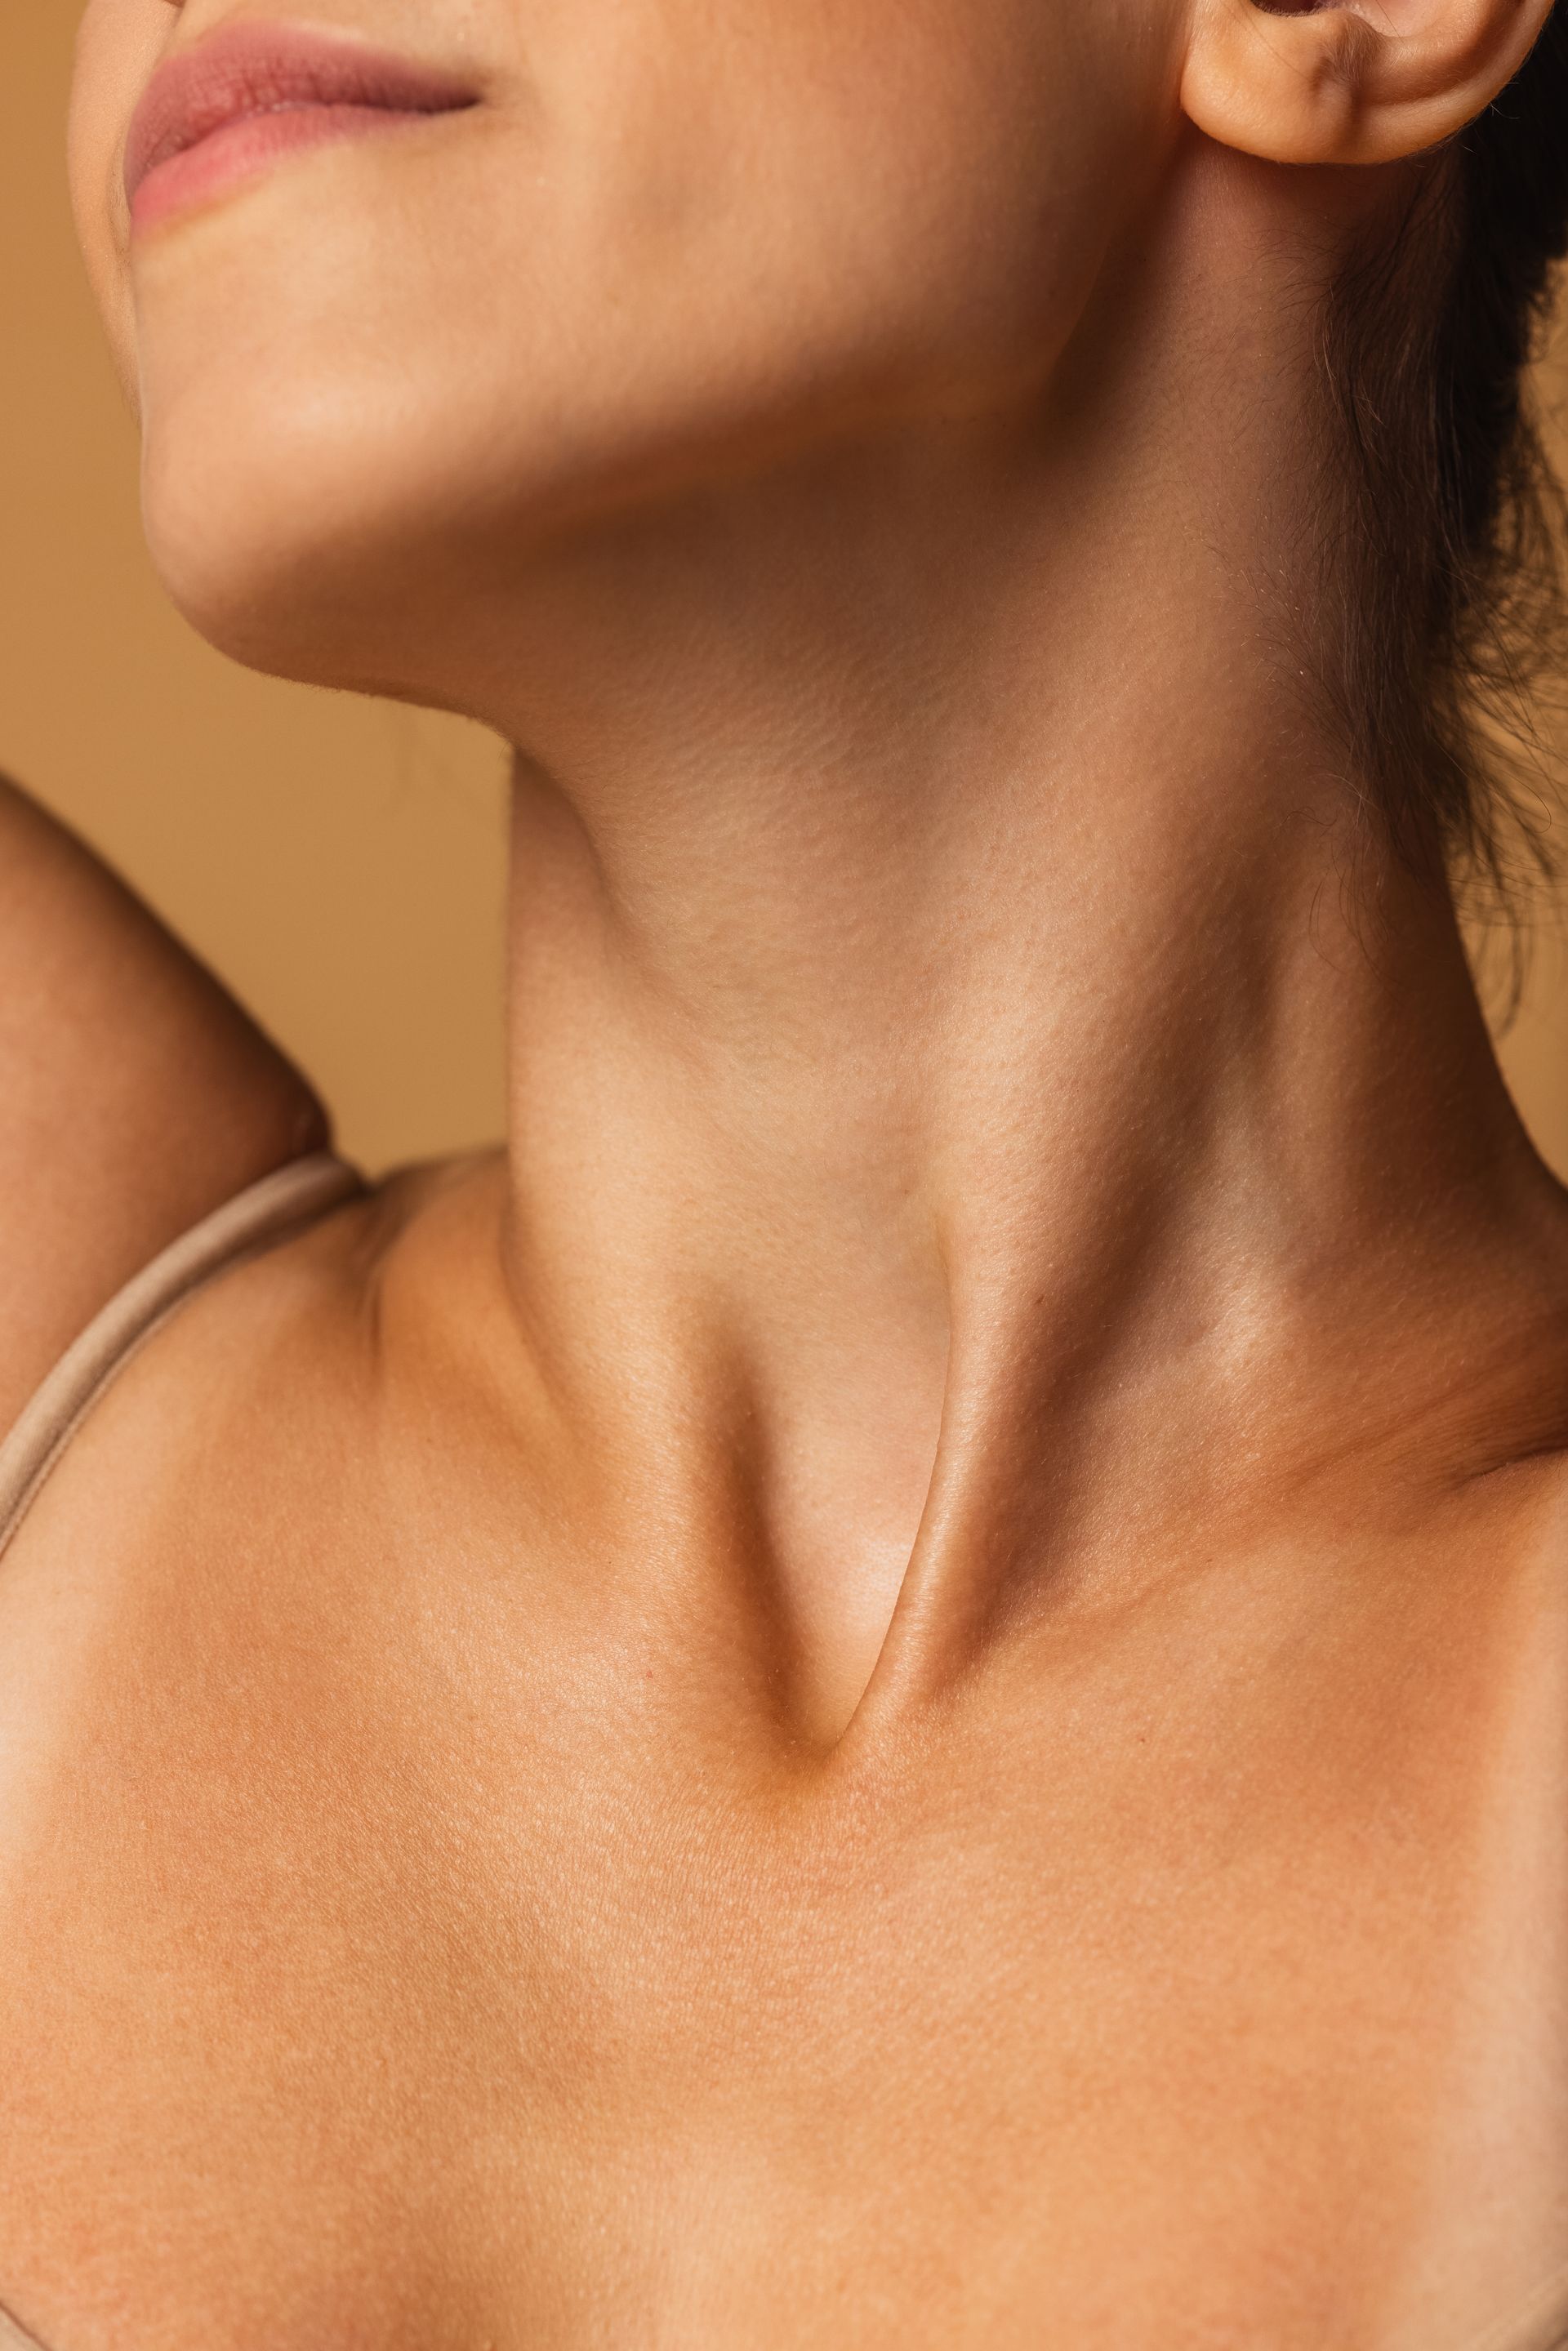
[260, 68]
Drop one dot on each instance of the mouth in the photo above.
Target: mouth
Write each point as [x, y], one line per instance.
[249, 96]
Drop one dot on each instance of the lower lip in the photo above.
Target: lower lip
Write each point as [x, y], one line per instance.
[245, 149]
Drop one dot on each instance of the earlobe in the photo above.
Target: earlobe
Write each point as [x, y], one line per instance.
[1333, 85]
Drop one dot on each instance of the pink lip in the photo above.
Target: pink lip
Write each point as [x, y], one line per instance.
[244, 97]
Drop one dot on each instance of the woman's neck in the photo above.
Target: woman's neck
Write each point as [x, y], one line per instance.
[973, 1071]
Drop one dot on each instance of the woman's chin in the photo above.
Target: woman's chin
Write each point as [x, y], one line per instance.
[255, 595]
[282, 547]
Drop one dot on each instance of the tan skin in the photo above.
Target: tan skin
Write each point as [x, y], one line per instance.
[900, 1682]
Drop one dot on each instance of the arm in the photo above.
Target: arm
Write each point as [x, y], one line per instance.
[135, 1095]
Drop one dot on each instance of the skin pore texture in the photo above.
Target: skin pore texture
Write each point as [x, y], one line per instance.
[902, 1681]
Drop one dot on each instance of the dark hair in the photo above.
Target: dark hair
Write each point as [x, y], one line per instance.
[1453, 605]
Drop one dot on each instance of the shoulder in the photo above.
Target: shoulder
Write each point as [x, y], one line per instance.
[136, 1095]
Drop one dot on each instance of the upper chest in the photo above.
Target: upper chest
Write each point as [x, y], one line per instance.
[416, 1934]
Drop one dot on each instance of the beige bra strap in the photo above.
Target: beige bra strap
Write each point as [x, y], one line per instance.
[16, 2338]
[276, 1206]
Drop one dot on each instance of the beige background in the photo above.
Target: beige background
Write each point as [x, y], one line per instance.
[339, 862]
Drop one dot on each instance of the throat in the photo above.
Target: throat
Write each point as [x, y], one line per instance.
[866, 1462]
[982, 1129]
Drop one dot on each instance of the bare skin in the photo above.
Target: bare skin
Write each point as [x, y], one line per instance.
[901, 1681]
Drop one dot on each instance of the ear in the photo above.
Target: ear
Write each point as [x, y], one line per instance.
[1363, 84]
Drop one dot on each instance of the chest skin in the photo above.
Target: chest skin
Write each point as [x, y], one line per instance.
[419, 1932]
